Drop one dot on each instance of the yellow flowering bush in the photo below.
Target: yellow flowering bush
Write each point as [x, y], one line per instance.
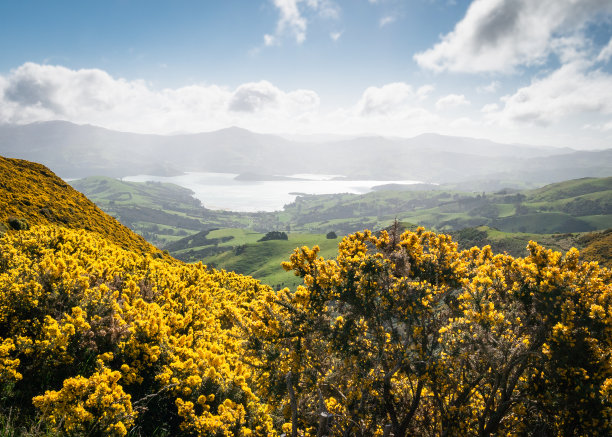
[406, 335]
[8, 365]
[398, 335]
[89, 406]
[103, 341]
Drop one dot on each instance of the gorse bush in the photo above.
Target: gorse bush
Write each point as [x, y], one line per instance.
[31, 194]
[399, 335]
[100, 341]
[404, 335]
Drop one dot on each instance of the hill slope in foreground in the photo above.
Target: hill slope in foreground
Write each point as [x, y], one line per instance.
[403, 333]
[32, 192]
[101, 337]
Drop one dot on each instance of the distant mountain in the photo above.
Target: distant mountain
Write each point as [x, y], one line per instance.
[75, 151]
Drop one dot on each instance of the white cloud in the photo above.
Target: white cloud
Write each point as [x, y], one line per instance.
[606, 53]
[391, 109]
[490, 107]
[424, 91]
[36, 92]
[325, 8]
[388, 19]
[451, 101]
[253, 97]
[570, 91]
[269, 40]
[388, 99]
[335, 35]
[292, 21]
[490, 88]
[498, 35]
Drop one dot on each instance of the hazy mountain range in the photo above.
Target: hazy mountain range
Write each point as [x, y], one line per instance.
[75, 151]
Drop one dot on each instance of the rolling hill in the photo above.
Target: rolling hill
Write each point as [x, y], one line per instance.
[553, 215]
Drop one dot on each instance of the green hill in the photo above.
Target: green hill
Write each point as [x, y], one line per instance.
[598, 247]
[160, 212]
[241, 251]
[169, 216]
[570, 189]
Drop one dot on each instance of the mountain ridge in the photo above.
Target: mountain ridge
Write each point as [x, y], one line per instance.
[76, 151]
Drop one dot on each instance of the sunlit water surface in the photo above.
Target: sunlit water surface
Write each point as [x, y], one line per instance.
[223, 191]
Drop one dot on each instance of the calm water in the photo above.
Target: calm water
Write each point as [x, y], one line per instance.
[222, 191]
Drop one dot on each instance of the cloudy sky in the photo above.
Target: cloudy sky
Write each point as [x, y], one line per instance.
[536, 72]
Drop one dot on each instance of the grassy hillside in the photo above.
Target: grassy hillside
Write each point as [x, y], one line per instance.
[514, 243]
[598, 247]
[160, 212]
[572, 206]
[32, 192]
[241, 250]
[164, 213]
[570, 189]
[110, 191]
[169, 216]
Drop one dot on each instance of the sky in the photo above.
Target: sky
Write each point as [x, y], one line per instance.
[513, 71]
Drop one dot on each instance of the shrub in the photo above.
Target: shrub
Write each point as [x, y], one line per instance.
[409, 336]
[101, 341]
[18, 224]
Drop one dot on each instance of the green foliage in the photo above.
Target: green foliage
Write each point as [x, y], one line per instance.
[18, 224]
[274, 235]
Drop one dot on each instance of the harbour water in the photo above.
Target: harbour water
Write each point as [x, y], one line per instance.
[223, 191]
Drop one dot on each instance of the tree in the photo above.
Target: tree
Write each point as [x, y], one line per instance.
[274, 235]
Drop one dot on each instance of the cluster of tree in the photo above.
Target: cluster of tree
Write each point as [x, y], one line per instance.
[274, 235]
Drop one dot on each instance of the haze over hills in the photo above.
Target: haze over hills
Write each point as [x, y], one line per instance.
[75, 151]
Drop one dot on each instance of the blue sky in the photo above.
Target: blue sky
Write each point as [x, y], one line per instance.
[510, 70]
